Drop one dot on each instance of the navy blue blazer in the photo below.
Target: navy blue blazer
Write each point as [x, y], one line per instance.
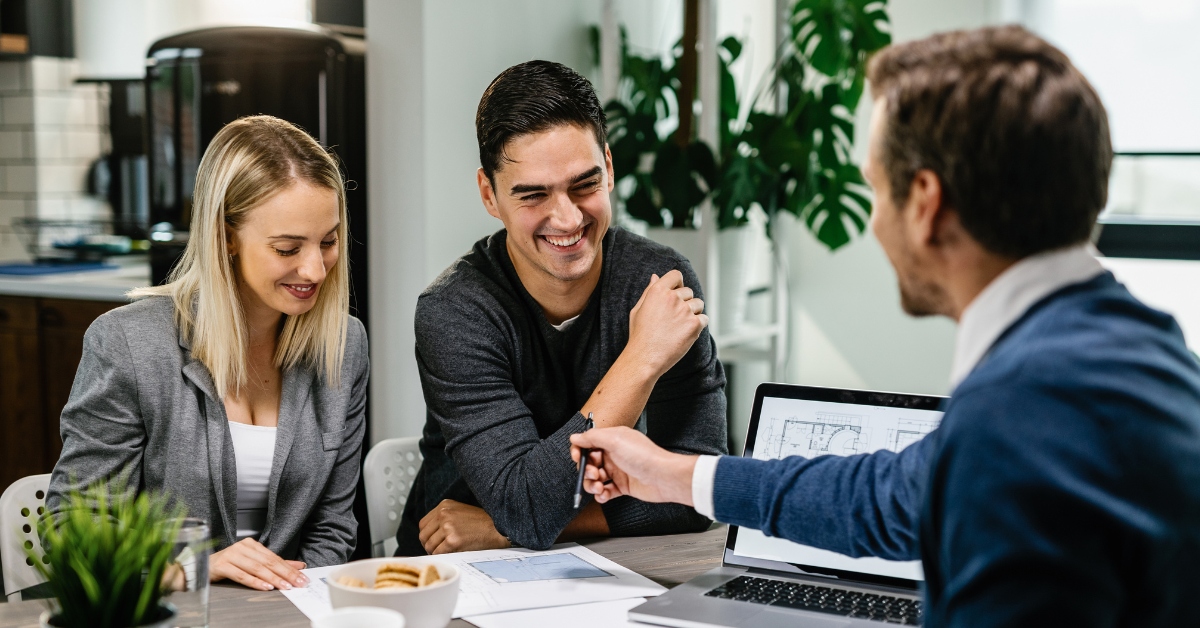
[1061, 489]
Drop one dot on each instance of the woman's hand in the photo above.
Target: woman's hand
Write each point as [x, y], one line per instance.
[456, 527]
[249, 563]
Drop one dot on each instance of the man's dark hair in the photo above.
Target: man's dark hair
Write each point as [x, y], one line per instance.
[529, 98]
[1016, 135]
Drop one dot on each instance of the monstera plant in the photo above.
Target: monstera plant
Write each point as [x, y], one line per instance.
[797, 159]
[662, 178]
[789, 150]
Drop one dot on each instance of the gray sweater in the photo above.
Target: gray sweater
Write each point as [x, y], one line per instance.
[141, 403]
[503, 389]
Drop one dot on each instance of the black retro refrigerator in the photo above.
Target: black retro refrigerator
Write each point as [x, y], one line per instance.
[199, 81]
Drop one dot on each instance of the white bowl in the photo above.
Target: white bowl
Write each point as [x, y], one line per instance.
[423, 607]
[359, 616]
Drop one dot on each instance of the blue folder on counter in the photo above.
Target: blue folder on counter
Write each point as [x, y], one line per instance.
[30, 270]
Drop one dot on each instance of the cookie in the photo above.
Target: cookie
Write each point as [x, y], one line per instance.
[429, 575]
[400, 575]
[395, 577]
[348, 581]
[394, 584]
[398, 568]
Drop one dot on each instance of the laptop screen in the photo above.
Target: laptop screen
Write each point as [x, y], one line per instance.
[810, 422]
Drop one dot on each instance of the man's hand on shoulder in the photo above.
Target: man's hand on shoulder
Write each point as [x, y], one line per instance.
[665, 323]
[456, 527]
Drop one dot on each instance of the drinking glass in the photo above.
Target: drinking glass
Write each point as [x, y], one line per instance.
[187, 575]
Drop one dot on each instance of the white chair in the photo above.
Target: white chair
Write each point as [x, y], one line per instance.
[388, 475]
[20, 506]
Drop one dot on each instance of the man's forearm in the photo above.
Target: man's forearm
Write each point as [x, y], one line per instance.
[589, 523]
[621, 395]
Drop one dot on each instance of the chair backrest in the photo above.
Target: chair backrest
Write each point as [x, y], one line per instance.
[388, 474]
[20, 506]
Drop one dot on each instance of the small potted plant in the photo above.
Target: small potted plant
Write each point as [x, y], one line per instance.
[108, 554]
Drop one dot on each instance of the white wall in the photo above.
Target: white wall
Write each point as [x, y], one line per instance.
[1130, 49]
[847, 326]
[428, 63]
[112, 36]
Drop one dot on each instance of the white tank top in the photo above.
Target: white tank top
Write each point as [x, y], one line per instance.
[253, 452]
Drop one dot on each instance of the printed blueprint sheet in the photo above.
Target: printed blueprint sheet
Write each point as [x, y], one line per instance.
[546, 567]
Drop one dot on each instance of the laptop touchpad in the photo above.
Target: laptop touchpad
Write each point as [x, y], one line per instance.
[781, 619]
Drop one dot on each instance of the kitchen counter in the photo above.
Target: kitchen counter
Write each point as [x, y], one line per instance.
[93, 285]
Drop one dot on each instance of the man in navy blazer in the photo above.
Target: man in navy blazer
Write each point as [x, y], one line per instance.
[1063, 485]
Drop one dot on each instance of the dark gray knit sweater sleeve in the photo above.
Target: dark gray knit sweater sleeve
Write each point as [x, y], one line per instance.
[685, 414]
[464, 358]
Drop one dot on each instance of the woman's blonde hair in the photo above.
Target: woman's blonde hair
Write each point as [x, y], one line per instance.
[248, 162]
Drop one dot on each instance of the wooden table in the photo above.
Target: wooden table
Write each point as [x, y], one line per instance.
[667, 560]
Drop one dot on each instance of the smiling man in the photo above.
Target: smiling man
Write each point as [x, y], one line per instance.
[558, 316]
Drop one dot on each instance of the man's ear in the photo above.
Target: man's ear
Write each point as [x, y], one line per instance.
[487, 193]
[924, 211]
[609, 167]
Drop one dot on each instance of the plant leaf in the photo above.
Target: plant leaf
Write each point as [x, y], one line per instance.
[640, 203]
[836, 35]
[631, 135]
[106, 548]
[683, 177]
[839, 198]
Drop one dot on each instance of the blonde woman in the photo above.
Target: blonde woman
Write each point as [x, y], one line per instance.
[239, 387]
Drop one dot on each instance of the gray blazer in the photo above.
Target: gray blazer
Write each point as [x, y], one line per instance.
[141, 401]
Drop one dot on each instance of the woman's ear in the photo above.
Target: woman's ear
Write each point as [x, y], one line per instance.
[230, 242]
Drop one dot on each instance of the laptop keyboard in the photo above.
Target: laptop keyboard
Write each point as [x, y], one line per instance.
[885, 608]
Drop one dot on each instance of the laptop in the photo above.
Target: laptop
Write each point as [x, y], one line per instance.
[766, 582]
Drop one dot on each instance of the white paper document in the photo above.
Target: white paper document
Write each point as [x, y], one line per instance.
[495, 581]
[613, 614]
[313, 600]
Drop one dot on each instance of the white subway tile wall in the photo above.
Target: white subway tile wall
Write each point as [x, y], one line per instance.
[18, 110]
[20, 179]
[51, 131]
[12, 145]
[12, 77]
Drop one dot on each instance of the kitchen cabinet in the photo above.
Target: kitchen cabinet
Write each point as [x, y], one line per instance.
[41, 342]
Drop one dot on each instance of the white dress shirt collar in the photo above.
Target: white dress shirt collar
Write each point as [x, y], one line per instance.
[1010, 295]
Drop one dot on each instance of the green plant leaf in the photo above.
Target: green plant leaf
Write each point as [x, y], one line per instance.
[594, 43]
[783, 149]
[839, 198]
[733, 47]
[631, 135]
[106, 549]
[744, 179]
[872, 32]
[836, 35]
[851, 92]
[684, 176]
[640, 203]
[729, 108]
[818, 28]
